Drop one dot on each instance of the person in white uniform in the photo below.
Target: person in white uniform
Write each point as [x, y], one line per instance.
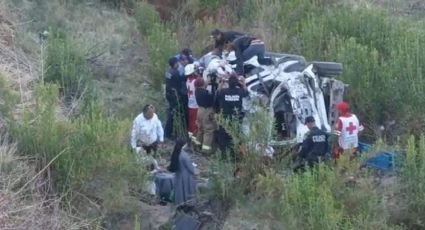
[147, 130]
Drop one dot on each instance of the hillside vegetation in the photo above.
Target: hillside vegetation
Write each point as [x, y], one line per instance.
[67, 103]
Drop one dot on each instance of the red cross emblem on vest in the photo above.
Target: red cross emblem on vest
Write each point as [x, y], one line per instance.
[351, 128]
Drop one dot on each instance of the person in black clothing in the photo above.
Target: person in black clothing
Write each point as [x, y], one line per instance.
[314, 148]
[186, 52]
[222, 38]
[176, 96]
[245, 48]
[229, 103]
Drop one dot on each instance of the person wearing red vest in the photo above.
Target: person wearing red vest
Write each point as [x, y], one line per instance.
[347, 129]
[191, 76]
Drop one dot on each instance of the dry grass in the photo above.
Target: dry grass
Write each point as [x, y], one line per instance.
[109, 38]
[21, 68]
[22, 203]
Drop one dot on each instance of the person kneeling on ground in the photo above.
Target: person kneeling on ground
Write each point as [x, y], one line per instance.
[147, 130]
[182, 166]
[315, 147]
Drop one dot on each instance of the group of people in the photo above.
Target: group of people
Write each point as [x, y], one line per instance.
[148, 134]
[195, 107]
[315, 146]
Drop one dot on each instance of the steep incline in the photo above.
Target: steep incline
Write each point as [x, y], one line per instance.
[20, 68]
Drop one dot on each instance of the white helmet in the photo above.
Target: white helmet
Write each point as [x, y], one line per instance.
[189, 69]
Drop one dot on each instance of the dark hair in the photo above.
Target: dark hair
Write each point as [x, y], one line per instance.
[216, 32]
[172, 61]
[199, 82]
[309, 119]
[174, 162]
[233, 81]
[187, 52]
[147, 107]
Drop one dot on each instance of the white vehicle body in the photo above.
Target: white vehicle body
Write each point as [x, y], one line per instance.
[293, 89]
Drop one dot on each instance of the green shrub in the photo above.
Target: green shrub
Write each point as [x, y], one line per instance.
[127, 4]
[146, 16]
[160, 40]
[378, 52]
[66, 66]
[162, 45]
[94, 157]
[8, 98]
[199, 38]
[322, 199]
[211, 4]
[414, 182]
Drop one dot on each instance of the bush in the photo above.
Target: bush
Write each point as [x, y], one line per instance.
[66, 66]
[24, 204]
[200, 38]
[161, 42]
[126, 4]
[146, 16]
[89, 154]
[414, 182]
[322, 199]
[211, 4]
[8, 98]
[162, 45]
[378, 52]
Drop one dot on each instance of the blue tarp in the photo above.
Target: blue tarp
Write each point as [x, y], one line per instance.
[382, 160]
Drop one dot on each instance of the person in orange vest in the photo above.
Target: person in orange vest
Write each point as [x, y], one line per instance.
[347, 129]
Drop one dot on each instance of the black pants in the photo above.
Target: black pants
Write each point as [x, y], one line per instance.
[280, 125]
[252, 50]
[225, 142]
[301, 166]
[152, 147]
[168, 129]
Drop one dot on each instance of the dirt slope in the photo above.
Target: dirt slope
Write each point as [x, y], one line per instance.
[20, 68]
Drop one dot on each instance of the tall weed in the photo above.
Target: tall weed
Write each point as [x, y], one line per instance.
[162, 45]
[414, 184]
[146, 16]
[322, 198]
[94, 156]
[380, 53]
[66, 66]
[8, 98]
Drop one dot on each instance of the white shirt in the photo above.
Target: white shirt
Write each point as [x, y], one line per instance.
[190, 83]
[146, 131]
